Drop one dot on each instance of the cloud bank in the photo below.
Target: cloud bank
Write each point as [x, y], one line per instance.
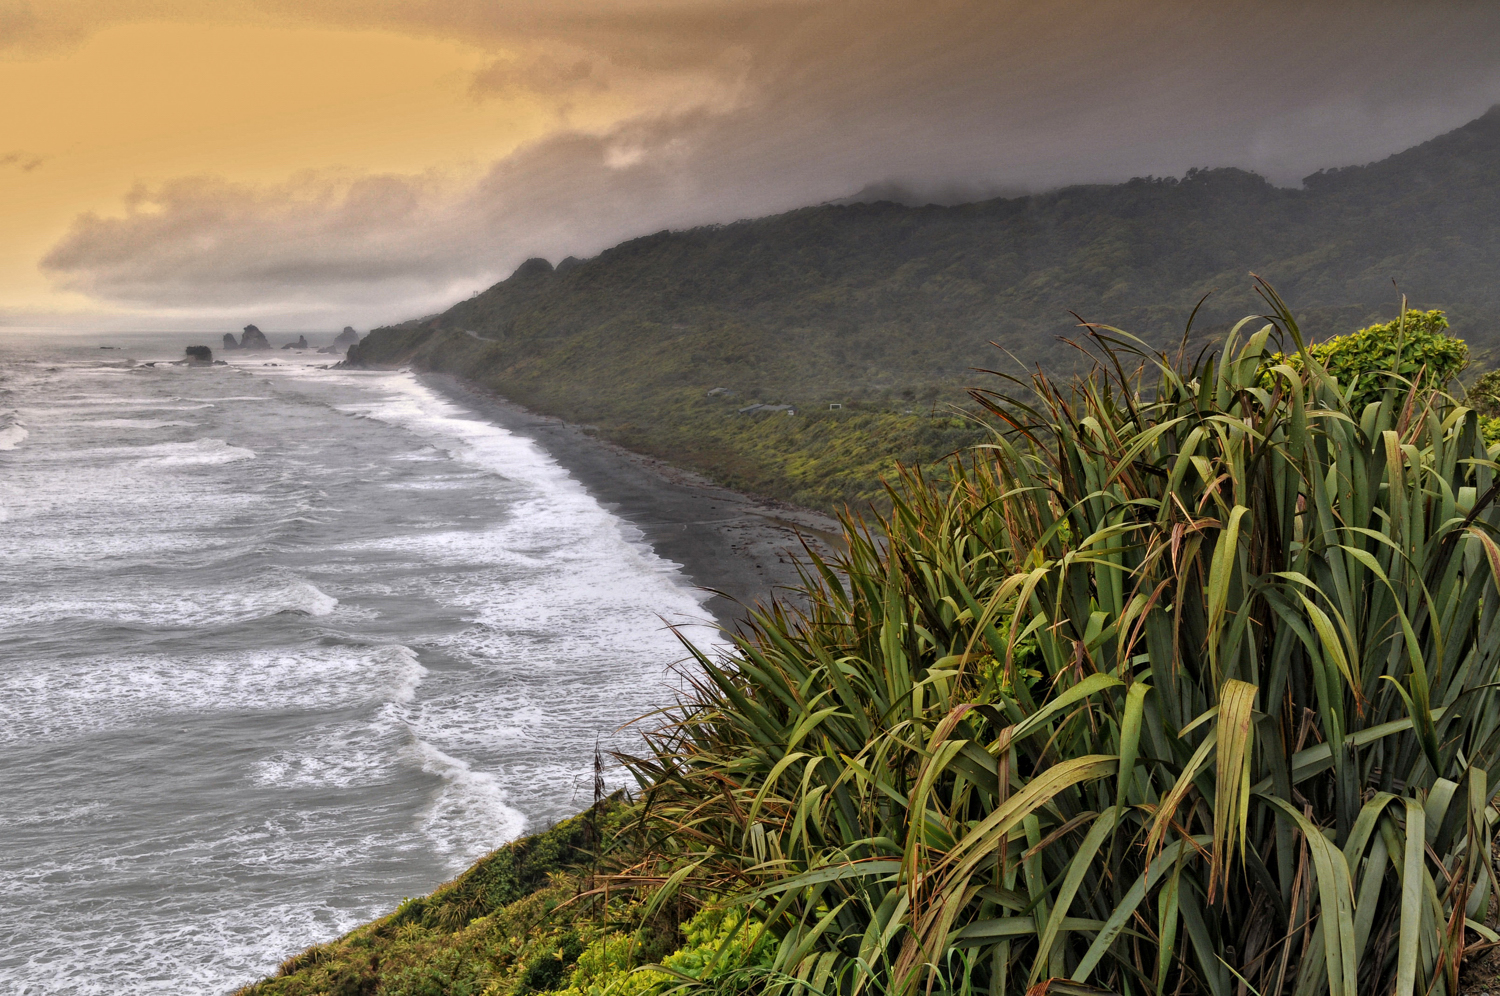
[766, 107]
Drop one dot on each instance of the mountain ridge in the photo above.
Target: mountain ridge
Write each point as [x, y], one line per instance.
[887, 309]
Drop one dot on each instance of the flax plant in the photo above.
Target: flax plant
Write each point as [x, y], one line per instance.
[1184, 683]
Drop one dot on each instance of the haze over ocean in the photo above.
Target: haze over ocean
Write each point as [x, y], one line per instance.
[283, 645]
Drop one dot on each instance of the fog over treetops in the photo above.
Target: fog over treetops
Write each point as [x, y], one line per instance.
[870, 321]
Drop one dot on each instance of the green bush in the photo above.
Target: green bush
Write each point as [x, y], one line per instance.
[1262, 746]
[1410, 346]
[1484, 396]
[720, 947]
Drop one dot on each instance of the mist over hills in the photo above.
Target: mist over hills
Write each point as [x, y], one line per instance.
[881, 307]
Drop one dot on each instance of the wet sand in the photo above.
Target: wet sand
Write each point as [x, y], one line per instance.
[738, 546]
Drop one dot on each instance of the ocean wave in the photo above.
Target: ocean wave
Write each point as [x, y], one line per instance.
[113, 400]
[180, 942]
[94, 695]
[407, 675]
[471, 813]
[233, 397]
[207, 451]
[309, 600]
[134, 407]
[12, 432]
[198, 453]
[333, 766]
[361, 753]
[135, 423]
[168, 610]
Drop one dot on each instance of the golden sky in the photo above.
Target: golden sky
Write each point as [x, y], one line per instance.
[139, 103]
[312, 161]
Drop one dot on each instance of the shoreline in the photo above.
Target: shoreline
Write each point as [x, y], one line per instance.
[739, 548]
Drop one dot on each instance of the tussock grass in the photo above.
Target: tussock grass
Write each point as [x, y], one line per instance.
[1183, 683]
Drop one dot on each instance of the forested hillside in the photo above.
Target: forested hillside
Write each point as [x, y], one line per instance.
[885, 310]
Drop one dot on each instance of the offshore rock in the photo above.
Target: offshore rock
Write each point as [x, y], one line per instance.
[348, 337]
[230, 342]
[254, 338]
[199, 354]
[301, 343]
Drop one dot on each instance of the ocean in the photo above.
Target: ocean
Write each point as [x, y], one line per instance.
[281, 645]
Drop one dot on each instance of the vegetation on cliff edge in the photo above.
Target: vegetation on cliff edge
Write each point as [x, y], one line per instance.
[1184, 682]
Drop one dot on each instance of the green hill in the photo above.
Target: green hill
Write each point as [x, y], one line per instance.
[885, 310]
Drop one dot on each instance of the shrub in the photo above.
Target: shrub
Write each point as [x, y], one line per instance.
[1261, 747]
[1411, 346]
[720, 947]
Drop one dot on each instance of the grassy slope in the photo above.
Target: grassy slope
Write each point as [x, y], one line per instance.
[486, 925]
[511, 925]
[886, 309]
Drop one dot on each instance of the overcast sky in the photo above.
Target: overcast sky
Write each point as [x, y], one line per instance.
[306, 164]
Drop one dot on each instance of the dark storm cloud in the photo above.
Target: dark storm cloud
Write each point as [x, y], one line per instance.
[806, 102]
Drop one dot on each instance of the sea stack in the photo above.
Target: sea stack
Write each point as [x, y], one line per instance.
[230, 342]
[199, 354]
[301, 343]
[342, 341]
[254, 338]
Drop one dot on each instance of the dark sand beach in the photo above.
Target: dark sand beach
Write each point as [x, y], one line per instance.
[738, 546]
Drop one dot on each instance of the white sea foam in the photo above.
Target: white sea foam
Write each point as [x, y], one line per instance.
[12, 434]
[336, 763]
[95, 694]
[233, 397]
[164, 608]
[160, 955]
[408, 674]
[198, 453]
[136, 407]
[136, 423]
[470, 813]
[359, 753]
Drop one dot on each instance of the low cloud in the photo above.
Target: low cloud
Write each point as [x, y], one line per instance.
[312, 244]
[798, 103]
